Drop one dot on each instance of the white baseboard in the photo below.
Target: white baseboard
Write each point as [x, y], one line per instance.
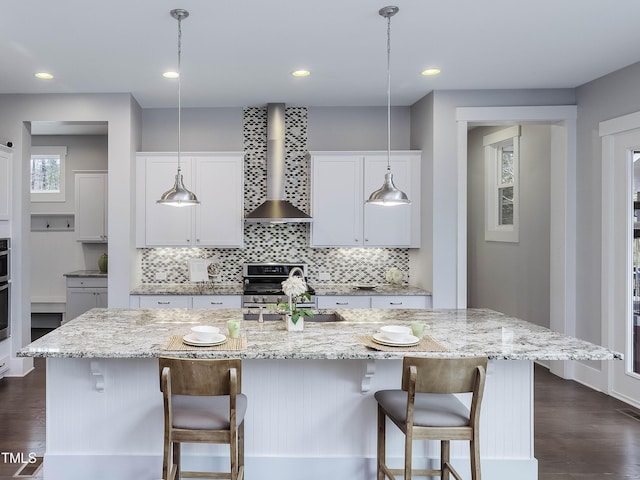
[595, 378]
[149, 467]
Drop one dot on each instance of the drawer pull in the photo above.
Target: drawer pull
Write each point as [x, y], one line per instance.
[395, 303]
[217, 303]
[342, 303]
[164, 303]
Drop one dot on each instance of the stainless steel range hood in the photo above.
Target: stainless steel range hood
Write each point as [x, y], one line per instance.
[275, 209]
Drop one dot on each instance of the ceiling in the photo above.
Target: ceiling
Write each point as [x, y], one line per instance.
[240, 53]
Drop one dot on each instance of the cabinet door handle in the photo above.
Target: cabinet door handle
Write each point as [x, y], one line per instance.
[395, 303]
[342, 303]
[163, 303]
[217, 303]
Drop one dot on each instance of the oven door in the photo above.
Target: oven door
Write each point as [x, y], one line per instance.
[4, 266]
[5, 310]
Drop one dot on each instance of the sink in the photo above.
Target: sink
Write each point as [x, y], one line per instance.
[318, 317]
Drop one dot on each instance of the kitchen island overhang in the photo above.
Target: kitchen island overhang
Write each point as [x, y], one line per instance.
[306, 414]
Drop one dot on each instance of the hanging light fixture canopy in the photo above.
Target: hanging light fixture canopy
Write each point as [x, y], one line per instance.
[388, 194]
[178, 195]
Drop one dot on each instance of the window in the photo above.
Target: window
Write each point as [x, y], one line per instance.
[501, 185]
[47, 174]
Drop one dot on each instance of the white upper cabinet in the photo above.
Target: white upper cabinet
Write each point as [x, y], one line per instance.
[217, 179]
[5, 182]
[336, 201]
[342, 182]
[91, 207]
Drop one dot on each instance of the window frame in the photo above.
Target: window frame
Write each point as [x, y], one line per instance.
[60, 151]
[493, 145]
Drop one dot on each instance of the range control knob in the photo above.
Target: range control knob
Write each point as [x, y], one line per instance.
[254, 300]
[264, 299]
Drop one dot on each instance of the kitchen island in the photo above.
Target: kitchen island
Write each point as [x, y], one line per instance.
[311, 410]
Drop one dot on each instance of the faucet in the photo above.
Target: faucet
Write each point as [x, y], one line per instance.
[296, 270]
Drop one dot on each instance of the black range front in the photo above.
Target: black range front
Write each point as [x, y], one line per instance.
[262, 283]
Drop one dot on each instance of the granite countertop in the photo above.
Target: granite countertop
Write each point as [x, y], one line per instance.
[142, 333]
[380, 289]
[86, 274]
[236, 289]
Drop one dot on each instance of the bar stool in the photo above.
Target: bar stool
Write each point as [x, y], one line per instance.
[426, 409]
[202, 404]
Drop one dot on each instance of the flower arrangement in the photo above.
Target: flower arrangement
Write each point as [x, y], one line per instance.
[295, 288]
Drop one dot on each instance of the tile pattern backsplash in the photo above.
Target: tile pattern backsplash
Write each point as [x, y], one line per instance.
[266, 242]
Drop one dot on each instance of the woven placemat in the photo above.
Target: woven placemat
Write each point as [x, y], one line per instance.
[175, 343]
[427, 344]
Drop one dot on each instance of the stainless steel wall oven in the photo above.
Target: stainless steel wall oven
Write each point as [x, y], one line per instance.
[5, 293]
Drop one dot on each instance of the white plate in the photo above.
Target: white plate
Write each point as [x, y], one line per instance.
[191, 339]
[365, 287]
[383, 340]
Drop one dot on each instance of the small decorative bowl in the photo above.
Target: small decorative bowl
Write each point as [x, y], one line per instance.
[205, 333]
[395, 333]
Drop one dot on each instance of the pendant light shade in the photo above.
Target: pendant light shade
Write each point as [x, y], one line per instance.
[178, 195]
[388, 195]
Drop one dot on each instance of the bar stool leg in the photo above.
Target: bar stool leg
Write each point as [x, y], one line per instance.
[408, 453]
[381, 442]
[444, 459]
[176, 460]
[474, 447]
[241, 447]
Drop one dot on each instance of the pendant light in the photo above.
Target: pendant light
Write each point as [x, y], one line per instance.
[178, 195]
[388, 194]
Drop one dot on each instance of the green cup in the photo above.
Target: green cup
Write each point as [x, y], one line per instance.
[418, 328]
[234, 328]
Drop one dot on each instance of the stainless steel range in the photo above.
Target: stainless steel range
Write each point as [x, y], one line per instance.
[263, 283]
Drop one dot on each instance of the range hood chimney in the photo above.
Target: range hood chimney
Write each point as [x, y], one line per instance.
[275, 208]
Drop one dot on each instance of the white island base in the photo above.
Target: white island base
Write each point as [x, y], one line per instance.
[306, 419]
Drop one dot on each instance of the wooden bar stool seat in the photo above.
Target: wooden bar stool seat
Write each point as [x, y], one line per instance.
[427, 409]
[202, 404]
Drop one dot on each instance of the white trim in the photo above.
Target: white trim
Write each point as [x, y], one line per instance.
[619, 124]
[563, 192]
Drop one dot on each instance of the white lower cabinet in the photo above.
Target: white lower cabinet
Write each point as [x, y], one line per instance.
[217, 301]
[403, 301]
[374, 301]
[185, 301]
[165, 301]
[85, 293]
[344, 301]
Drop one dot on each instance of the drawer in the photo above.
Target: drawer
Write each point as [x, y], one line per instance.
[86, 282]
[398, 301]
[345, 301]
[217, 301]
[165, 301]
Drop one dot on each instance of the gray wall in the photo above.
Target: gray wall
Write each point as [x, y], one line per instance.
[512, 278]
[608, 97]
[440, 250]
[220, 129]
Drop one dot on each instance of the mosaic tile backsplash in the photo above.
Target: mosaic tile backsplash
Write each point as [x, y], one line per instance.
[266, 242]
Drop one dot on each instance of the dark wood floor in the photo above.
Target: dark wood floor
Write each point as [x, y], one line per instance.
[579, 433]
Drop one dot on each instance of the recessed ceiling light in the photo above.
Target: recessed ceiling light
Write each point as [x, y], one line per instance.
[301, 73]
[430, 71]
[44, 75]
[170, 75]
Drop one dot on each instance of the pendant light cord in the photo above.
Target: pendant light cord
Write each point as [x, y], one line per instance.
[389, 93]
[179, 89]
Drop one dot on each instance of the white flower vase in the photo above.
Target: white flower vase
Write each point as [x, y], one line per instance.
[295, 327]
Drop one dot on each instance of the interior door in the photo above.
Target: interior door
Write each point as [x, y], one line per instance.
[625, 382]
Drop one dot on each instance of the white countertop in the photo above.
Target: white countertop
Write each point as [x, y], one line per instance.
[142, 333]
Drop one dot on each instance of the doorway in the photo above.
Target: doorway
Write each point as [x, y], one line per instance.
[620, 142]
